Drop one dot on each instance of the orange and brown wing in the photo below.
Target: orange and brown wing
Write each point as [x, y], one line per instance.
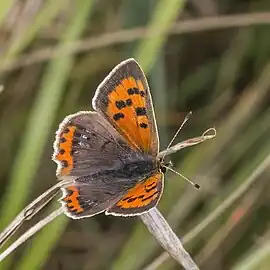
[63, 149]
[124, 99]
[85, 143]
[86, 200]
[71, 200]
[139, 199]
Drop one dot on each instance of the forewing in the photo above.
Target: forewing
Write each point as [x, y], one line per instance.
[125, 101]
[140, 199]
[86, 143]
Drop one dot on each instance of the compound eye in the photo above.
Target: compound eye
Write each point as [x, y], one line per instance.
[163, 169]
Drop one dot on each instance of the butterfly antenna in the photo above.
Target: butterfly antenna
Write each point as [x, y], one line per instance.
[176, 133]
[197, 186]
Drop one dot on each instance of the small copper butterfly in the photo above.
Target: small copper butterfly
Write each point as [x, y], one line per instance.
[111, 154]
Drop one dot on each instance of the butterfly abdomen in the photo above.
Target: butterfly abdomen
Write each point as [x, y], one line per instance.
[137, 169]
[133, 171]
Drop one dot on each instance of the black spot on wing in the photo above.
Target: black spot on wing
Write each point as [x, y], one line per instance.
[143, 125]
[130, 91]
[120, 104]
[62, 151]
[150, 196]
[150, 189]
[140, 111]
[142, 93]
[118, 116]
[64, 163]
[126, 198]
[149, 185]
[129, 102]
[132, 200]
[133, 91]
[136, 91]
[62, 140]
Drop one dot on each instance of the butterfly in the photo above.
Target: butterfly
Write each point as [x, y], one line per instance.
[108, 160]
[111, 153]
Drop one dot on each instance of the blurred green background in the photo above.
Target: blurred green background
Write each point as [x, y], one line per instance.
[208, 56]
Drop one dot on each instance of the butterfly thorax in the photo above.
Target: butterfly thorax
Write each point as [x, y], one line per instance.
[137, 169]
[128, 172]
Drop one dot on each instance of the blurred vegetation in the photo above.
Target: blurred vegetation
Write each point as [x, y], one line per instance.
[209, 56]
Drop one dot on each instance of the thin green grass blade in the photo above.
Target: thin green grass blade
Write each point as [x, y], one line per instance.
[55, 78]
[41, 246]
[257, 258]
[41, 118]
[165, 13]
[4, 8]
[44, 17]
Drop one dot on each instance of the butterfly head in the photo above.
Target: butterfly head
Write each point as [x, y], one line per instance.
[163, 167]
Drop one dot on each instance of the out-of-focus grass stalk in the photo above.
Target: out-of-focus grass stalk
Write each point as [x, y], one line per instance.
[228, 71]
[36, 133]
[55, 78]
[240, 146]
[160, 97]
[201, 77]
[262, 55]
[131, 35]
[188, 200]
[245, 178]
[164, 15]
[4, 8]
[258, 258]
[232, 60]
[48, 12]
[38, 251]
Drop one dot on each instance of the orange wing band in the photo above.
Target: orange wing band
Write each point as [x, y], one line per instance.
[64, 154]
[71, 200]
[139, 199]
[127, 102]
